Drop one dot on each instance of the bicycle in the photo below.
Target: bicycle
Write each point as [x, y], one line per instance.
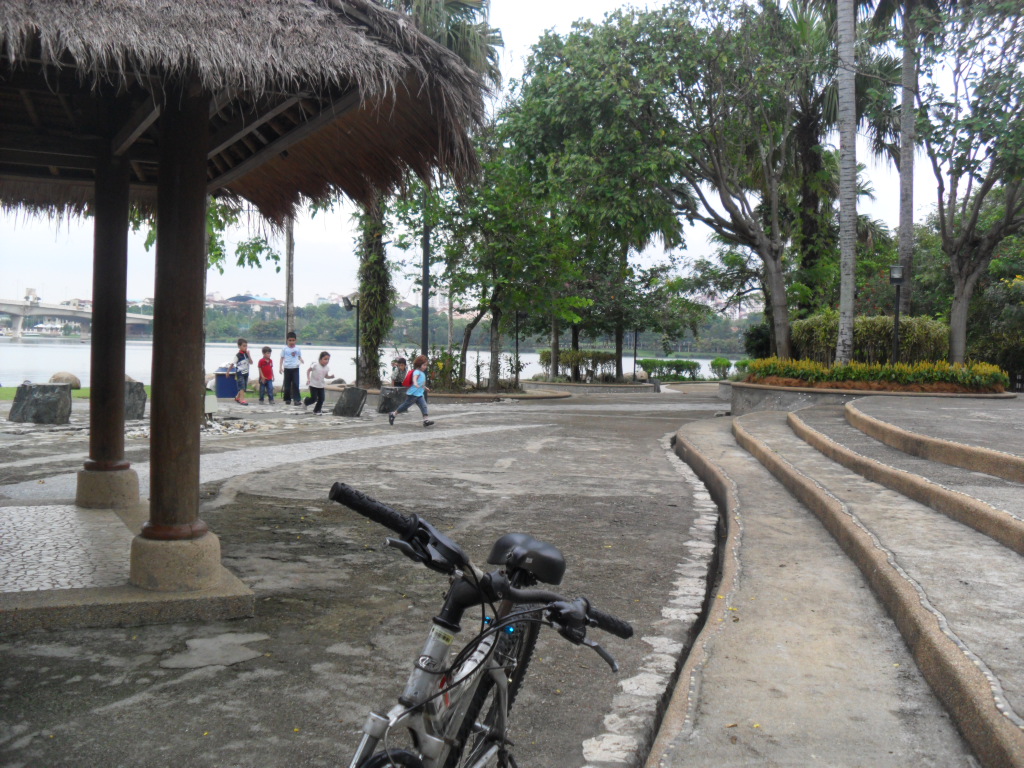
[441, 705]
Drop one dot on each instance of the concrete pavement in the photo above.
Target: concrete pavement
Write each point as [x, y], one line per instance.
[856, 621]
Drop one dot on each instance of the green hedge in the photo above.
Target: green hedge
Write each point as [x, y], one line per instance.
[975, 376]
[587, 360]
[671, 370]
[921, 338]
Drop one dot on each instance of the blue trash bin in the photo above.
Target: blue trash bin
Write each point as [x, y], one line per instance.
[225, 384]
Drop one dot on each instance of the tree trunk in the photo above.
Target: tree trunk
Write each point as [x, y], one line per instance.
[575, 373]
[779, 309]
[555, 332]
[492, 379]
[963, 290]
[847, 178]
[466, 336]
[425, 309]
[375, 296]
[289, 274]
[619, 335]
[908, 141]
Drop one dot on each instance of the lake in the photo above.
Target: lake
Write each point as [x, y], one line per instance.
[36, 358]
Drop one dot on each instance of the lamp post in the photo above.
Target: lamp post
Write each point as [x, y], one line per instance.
[896, 278]
[636, 333]
[349, 306]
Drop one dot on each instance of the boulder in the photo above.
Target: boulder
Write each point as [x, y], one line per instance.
[350, 402]
[42, 404]
[64, 377]
[134, 400]
[390, 398]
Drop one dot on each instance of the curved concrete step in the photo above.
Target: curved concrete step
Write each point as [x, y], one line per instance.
[947, 430]
[985, 502]
[956, 595]
[797, 663]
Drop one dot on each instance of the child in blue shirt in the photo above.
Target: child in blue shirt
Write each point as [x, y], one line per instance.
[415, 393]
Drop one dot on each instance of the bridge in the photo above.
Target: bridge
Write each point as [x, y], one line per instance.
[19, 309]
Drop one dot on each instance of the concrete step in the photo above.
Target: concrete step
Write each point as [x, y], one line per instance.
[956, 595]
[797, 663]
[985, 502]
[980, 434]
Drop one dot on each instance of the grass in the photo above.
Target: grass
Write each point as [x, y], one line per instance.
[7, 393]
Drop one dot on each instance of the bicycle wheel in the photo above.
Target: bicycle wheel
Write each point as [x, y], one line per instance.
[516, 649]
[393, 758]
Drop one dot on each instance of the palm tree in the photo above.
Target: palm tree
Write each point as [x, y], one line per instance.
[847, 30]
[461, 26]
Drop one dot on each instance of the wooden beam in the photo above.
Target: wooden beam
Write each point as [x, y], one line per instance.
[328, 114]
[240, 126]
[66, 181]
[47, 159]
[142, 118]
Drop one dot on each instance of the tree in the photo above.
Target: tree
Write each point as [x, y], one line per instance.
[973, 133]
[461, 26]
[581, 125]
[846, 24]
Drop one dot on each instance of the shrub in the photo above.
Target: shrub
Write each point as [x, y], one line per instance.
[757, 340]
[921, 338]
[671, 370]
[720, 367]
[980, 377]
[587, 359]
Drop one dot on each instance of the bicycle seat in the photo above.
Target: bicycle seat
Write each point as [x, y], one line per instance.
[521, 550]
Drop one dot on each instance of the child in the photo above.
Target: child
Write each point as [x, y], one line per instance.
[266, 366]
[316, 378]
[398, 369]
[241, 365]
[291, 359]
[415, 393]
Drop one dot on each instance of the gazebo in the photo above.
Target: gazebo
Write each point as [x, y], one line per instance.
[159, 104]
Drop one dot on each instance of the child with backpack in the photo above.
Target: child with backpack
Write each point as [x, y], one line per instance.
[417, 389]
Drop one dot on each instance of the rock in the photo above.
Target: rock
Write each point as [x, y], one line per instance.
[134, 400]
[66, 378]
[350, 402]
[128, 378]
[390, 398]
[42, 404]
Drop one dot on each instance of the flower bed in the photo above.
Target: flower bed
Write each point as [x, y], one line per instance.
[901, 377]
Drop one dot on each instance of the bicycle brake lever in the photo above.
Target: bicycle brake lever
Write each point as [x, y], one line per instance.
[405, 548]
[603, 654]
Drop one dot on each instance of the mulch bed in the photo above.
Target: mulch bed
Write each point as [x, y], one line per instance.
[874, 386]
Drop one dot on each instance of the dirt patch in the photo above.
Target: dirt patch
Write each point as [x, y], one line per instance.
[875, 386]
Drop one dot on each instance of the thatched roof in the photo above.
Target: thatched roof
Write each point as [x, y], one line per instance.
[309, 96]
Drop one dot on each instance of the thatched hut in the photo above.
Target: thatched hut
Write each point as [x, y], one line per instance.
[305, 97]
[161, 103]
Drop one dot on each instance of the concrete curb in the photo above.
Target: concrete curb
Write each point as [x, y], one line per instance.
[1005, 465]
[961, 686]
[995, 523]
[678, 716]
[123, 606]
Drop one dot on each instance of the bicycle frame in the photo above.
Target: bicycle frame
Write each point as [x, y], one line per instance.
[433, 718]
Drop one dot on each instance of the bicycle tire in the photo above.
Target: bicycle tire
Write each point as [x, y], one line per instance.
[519, 648]
[393, 758]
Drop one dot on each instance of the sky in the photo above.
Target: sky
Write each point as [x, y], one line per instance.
[55, 258]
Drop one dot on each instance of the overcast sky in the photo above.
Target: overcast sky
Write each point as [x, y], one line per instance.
[56, 258]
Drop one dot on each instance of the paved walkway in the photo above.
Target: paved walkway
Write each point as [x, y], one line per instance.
[338, 616]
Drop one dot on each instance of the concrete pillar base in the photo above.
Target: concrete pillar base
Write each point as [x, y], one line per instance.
[117, 489]
[175, 566]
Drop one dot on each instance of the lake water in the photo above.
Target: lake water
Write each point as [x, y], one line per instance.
[37, 358]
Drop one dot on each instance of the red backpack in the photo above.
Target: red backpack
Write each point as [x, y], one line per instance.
[408, 378]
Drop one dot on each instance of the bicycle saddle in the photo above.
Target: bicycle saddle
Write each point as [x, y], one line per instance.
[521, 550]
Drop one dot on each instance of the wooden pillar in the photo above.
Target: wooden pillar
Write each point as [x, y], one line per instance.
[177, 407]
[109, 291]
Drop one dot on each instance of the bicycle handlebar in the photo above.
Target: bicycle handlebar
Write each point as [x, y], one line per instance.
[442, 554]
[380, 513]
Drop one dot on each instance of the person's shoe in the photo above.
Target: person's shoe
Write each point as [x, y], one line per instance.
[318, 413]
[261, 402]
[391, 418]
[428, 423]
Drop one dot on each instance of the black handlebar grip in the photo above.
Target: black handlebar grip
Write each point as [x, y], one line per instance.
[380, 513]
[611, 624]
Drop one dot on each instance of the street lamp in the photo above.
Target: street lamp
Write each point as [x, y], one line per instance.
[349, 306]
[896, 277]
